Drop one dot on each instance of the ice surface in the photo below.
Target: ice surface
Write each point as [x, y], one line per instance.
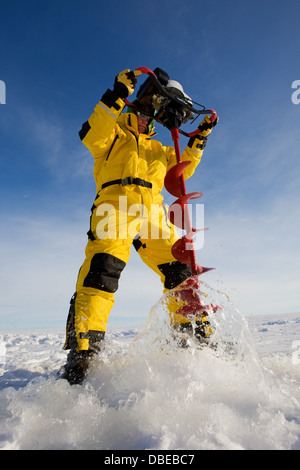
[146, 393]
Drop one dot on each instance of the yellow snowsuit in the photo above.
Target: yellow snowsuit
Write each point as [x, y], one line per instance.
[129, 172]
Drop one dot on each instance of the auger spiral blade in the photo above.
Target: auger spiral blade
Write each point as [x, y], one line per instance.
[178, 211]
[172, 179]
[183, 249]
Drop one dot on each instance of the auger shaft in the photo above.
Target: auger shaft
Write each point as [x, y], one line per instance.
[188, 226]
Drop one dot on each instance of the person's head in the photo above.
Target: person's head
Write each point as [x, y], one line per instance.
[145, 122]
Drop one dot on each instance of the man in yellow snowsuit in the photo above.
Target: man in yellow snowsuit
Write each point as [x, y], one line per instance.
[129, 171]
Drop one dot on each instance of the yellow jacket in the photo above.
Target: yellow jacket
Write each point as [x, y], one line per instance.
[122, 153]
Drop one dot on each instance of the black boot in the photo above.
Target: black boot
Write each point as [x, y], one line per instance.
[78, 362]
[200, 330]
[77, 366]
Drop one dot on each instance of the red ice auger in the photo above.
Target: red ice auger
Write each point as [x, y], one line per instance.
[173, 108]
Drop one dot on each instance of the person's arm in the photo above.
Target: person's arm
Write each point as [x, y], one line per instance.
[194, 150]
[98, 132]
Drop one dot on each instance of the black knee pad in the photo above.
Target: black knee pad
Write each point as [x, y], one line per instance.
[104, 273]
[175, 273]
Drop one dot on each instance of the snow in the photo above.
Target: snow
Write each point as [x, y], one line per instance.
[147, 393]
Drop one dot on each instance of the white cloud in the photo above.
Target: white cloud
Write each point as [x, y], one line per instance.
[257, 252]
[49, 140]
[40, 259]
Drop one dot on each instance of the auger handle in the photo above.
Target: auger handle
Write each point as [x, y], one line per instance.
[146, 70]
[213, 117]
[211, 112]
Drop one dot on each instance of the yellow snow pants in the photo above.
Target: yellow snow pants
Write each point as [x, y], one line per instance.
[118, 220]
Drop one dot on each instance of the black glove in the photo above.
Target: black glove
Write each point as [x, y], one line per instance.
[125, 83]
[206, 126]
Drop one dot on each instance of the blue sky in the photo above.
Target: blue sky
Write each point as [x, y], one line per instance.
[238, 57]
